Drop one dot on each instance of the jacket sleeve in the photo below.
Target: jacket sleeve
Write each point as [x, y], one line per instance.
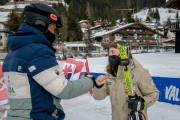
[100, 93]
[148, 89]
[76, 88]
[47, 73]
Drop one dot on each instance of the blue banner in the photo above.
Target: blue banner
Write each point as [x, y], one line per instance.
[169, 89]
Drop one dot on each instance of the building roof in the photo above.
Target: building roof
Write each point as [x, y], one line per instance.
[169, 41]
[118, 28]
[102, 33]
[79, 44]
[96, 27]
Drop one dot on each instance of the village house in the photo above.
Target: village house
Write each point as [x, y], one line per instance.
[175, 26]
[138, 35]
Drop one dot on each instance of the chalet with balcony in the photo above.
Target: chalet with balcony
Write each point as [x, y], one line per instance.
[175, 27]
[138, 35]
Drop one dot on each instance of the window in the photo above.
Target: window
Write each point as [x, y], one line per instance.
[81, 49]
[94, 48]
[74, 48]
[0, 36]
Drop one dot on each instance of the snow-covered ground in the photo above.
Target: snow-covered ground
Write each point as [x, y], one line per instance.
[86, 108]
[164, 64]
[160, 64]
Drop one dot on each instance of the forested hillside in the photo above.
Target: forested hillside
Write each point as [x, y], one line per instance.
[92, 10]
[109, 9]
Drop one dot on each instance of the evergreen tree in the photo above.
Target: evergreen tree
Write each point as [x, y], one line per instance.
[89, 12]
[88, 41]
[129, 18]
[148, 19]
[106, 9]
[74, 30]
[177, 15]
[136, 19]
[168, 22]
[62, 32]
[72, 10]
[3, 2]
[67, 1]
[14, 20]
[149, 15]
[60, 9]
[157, 16]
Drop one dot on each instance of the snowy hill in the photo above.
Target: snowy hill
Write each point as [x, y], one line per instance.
[164, 13]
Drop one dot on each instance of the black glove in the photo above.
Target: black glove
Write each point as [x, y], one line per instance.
[93, 79]
[136, 103]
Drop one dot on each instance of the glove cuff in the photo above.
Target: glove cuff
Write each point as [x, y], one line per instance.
[97, 86]
[94, 81]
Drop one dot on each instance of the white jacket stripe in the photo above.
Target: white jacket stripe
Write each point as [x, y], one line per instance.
[18, 85]
[51, 81]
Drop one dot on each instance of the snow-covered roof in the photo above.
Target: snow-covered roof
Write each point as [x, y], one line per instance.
[168, 40]
[80, 44]
[74, 44]
[95, 27]
[118, 28]
[105, 32]
[99, 34]
[82, 21]
[83, 30]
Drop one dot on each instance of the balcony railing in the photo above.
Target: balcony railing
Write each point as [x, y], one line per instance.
[174, 26]
[139, 38]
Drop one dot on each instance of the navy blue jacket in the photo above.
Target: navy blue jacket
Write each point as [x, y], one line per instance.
[35, 83]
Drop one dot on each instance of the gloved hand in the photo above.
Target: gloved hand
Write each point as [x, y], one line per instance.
[94, 81]
[136, 103]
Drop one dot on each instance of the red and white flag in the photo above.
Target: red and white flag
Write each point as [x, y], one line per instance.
[75, 68]
[3, 89]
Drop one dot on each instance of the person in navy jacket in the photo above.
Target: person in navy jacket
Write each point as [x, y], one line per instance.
[35, 83]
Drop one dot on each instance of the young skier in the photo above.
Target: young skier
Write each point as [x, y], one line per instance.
[146, 93]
